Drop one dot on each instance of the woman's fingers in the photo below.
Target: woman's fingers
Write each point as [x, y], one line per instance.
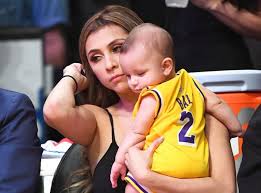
[149, 152]
[72, 69]
[154, 145]
[139, 161]
[79, 66]
[140, 145]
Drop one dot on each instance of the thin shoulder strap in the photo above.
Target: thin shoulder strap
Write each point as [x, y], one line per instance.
[112, 125]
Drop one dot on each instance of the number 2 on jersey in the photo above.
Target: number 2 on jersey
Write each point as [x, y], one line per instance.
[183, 136]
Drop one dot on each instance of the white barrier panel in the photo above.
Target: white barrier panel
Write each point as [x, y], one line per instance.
[21, 64]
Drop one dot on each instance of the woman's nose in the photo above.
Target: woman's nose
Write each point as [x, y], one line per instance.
[111, 63]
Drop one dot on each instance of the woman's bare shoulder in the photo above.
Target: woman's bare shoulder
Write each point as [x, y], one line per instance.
[91, 107]
[100, 114]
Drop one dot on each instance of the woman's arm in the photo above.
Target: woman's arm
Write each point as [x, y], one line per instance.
[222, 169]
[245, 22]
[60, 111]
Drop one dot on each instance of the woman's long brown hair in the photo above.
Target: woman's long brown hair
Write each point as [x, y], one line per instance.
[123, 17]
[96, 93]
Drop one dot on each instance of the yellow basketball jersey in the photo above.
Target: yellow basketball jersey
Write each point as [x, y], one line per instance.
[179, 117]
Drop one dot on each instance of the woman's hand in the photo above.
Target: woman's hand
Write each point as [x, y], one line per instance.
[75, 70]
[139, 161]
[207, 4]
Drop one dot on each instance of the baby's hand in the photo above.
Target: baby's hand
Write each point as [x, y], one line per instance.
[117, 169]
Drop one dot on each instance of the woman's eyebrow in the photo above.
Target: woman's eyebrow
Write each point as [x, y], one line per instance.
[110, 44]
[116, 40]
[93, 50]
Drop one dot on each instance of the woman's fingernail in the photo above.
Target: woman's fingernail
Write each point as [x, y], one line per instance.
[161, 138]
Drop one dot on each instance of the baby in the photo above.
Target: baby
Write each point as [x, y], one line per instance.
[170, 105]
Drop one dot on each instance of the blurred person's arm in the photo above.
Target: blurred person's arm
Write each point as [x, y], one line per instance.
[241, 20]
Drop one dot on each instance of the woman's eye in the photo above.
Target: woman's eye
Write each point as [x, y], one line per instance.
[116, 49]
[95, 58]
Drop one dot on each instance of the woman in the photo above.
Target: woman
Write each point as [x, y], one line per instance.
[100, 130]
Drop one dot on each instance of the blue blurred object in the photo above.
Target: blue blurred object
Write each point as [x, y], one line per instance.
[33, 13]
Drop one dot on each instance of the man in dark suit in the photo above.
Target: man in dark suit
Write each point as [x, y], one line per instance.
[249, 174]
[20, 150]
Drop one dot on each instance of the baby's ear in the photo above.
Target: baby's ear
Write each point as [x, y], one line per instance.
[167, 66]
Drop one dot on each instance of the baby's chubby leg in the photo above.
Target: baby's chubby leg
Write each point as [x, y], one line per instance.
[134, 186]
[130, 189]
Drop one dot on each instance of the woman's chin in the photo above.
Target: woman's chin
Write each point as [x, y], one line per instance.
[121, 88]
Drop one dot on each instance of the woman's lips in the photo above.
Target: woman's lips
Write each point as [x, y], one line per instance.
[116, 78]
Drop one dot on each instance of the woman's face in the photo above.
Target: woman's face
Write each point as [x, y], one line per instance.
[102, 51]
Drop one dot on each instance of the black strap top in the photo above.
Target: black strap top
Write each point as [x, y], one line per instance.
[101, 175]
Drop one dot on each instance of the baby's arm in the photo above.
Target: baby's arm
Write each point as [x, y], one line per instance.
[220, 109]
[141, 125]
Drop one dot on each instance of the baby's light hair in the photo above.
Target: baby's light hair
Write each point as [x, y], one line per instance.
[152, 37]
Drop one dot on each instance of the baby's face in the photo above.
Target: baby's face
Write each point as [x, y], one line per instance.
[142, 68]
